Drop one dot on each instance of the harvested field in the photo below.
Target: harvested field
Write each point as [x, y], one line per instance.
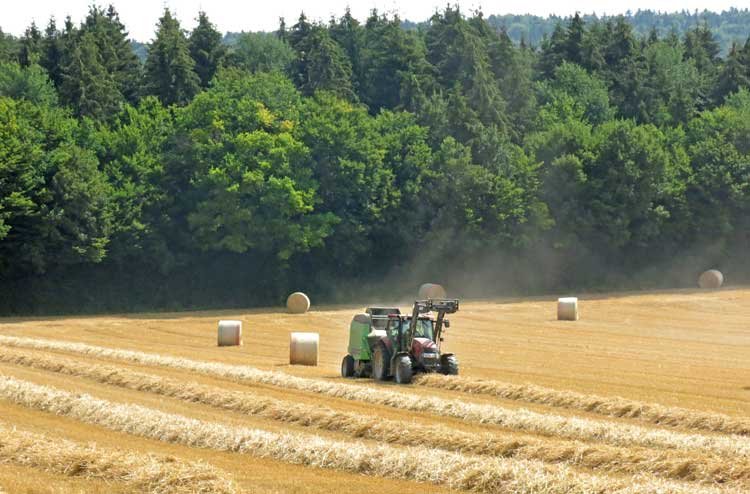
[648, 393]
[139, 472]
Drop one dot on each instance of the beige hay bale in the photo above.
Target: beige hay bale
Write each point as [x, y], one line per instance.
[711, 279]
[567, 309]
[298, 303]
[431, 290]
[230, 333]
[303, 348]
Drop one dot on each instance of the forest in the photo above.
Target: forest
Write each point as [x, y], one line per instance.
[360, 158]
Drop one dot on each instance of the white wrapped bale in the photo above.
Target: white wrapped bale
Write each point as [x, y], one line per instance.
[303, 348]
[711, 279]
[230, 333]
[567, 309]
[298, 303]
[431, 290]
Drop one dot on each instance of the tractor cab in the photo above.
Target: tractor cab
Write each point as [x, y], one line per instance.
[398, 325]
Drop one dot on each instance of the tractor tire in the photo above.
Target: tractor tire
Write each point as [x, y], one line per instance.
[347, 366]
[381, 359]
[403, 370]
[449, 365]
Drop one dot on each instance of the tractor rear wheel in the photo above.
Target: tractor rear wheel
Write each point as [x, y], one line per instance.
[403, 370]
[347, 366]
[380, 360]
[449, 365]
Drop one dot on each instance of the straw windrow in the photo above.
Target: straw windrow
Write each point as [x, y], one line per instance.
[618, 434]
[666, 464]
[456, 471]
[610, 406]
[142, 473]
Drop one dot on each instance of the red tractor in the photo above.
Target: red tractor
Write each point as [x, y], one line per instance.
[384, 343]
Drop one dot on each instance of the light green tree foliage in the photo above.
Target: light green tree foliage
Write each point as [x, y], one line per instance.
[487, 206]
[29, 83]
[573, 93]
[669, 91]
[260, 52]
[54, 200]
[613, 187]
[249, 188]
[347, 159]
[718, 143]
[131, 153]
[9, 47]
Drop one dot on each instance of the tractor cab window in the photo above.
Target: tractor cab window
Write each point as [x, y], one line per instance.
[424, 329]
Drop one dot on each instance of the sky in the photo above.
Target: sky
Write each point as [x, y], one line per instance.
[140, 16]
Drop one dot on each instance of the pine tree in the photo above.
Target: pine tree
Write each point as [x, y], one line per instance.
[458, 49]
[348, 33]
[51, 53]
[574, 42]
[554, 51]
[702, 48]
[206, 49]
[735, 74]
[117, 52]
[9, 47]
[390, 56]
[31, 42]
[87, 85]
[282, 33]
[299, 32]
[326, 67]
[321, 63]
[169, 69]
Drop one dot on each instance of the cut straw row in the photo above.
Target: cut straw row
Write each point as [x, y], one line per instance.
[610, 406]
[666, 464]
[617, 434]
[453, 470]
[140, 472]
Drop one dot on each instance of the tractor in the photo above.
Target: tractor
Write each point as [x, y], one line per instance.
[384, 343]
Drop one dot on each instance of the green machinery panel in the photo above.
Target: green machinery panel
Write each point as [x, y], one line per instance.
[358, 331]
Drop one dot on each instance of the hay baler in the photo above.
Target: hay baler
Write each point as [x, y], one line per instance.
[384, 343]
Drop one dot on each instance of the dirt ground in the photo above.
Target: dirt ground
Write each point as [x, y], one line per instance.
[681, 348]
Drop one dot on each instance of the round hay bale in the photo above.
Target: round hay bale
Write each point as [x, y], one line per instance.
[567, 309]
[230, 333]
[431, 290]
[298, 303]
[711, 279]
[303, 348]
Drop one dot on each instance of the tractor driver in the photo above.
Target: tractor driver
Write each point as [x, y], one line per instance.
[423, 329]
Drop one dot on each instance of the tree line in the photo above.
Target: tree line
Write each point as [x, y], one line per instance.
[732, 25]
[348, 157]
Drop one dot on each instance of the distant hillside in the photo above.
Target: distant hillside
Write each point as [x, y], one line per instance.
[728, 26]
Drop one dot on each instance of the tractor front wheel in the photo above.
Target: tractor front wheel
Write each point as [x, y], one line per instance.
[403, 370]
[449, 365]
[347, 366]
[380, 361]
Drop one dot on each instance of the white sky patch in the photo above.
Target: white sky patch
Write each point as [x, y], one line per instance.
[140, 16]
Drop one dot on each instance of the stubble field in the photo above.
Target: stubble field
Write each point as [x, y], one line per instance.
[648, 392]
